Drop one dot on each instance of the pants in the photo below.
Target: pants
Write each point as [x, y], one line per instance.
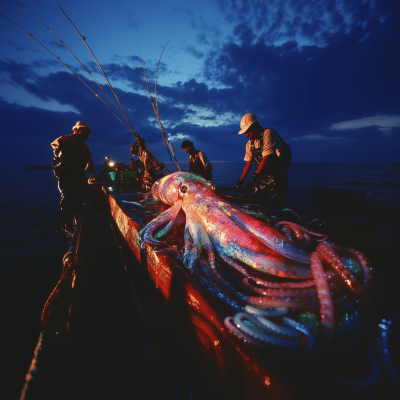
[74, 190]
[271, 190]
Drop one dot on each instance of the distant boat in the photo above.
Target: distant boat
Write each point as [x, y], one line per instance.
[36, 167]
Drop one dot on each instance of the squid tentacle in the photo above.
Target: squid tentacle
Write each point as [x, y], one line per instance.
[301, 328]
[146, 235]
[324, 296]
[275, 285]
[277, 329]
[235, 265]
[307, 304]
[273, 312]
[230, 324]
[197, 239]
[328, 253]
[366, 266]
[258, 332]
[300, 231]
[284, 292]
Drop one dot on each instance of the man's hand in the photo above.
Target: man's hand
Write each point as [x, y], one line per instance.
[252, 181]
[239, 184]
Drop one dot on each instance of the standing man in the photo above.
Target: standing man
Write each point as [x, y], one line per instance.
[72, 159]
[199, 163]
[271, 156]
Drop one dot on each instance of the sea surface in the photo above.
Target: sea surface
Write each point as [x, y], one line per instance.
[32, 247]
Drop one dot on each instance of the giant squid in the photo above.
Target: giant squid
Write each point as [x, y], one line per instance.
[212, 224]
[278, 272]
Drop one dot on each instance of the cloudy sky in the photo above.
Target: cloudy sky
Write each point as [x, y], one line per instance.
[323, 73]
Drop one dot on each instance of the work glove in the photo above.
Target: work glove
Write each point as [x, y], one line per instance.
[252, 181]
[239, 184]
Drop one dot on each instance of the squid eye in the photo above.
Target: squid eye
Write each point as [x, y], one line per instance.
[183, 189]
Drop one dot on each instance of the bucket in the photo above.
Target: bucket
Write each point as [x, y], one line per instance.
[113, 175]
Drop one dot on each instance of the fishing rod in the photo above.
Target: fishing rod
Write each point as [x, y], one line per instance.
[120, 108]
[76, 58]
[155, 108]
[105, 76]
[69, 69]
[158, 117]
[135, 133]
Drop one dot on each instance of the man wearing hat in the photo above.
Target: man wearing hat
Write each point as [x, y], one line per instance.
[271, 156]
[199, 163]
[72, 159]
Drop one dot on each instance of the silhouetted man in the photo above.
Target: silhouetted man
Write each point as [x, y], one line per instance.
[199, 163]
[72, 159]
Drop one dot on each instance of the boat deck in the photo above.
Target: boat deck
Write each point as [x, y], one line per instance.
[249, 371]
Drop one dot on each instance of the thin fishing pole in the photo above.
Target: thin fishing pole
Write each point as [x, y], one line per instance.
[165, 139]
[71, 53]
[158, 117]
[109, 83]
[66, 66]
[152, 103]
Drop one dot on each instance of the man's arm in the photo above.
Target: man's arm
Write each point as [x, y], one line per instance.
[206, 162]
[263, 164]
[89, 165]
[245, 172]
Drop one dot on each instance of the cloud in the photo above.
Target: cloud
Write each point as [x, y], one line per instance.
[301, 66]
[346, 76]
[198, 54]
[385, 123]
[318, 138]
[178, 137]
[308, 22]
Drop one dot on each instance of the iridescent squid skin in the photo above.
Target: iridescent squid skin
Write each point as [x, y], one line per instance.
[311, 283]
[213, 225]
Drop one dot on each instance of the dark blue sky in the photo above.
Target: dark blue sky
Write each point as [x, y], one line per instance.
[323, 73]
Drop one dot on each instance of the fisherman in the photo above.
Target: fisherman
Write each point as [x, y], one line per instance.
[139, 149]
[271, 156]
[72, 159]
[199, 163]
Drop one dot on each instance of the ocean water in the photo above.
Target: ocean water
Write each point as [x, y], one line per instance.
[32, 250]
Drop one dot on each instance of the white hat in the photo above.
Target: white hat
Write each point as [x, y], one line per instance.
[81, 124]
[246, 122]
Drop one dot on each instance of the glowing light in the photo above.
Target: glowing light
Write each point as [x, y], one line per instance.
[267, 380]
